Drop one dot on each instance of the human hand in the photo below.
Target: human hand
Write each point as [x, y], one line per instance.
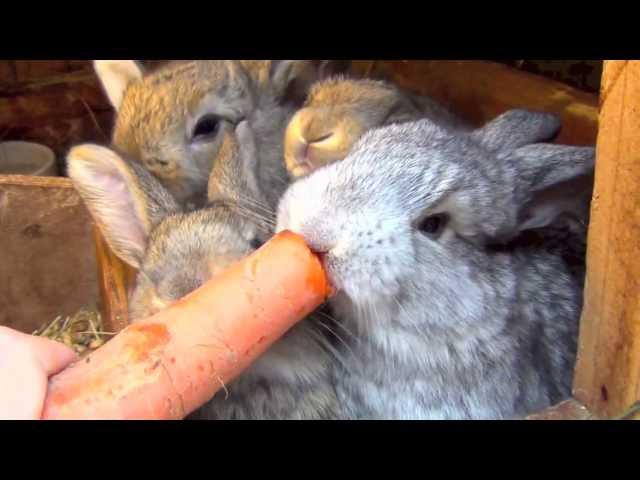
[26, 362]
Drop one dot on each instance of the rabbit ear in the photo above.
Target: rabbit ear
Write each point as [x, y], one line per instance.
[330, 68]
[516, 128]
[292, 79]
[124, 199]
[237, 154]
[116, 76]
[550, 181]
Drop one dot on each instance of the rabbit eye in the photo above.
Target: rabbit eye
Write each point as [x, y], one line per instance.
[433, 225]
[206, 127]
[256, 243]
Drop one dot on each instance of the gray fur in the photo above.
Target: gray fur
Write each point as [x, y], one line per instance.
[180, 252]
[517, 128]
[158, 113]
[340, 109]
[475, 324]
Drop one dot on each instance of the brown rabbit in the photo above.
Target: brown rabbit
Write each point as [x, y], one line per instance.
[175, 252]
[339, 110]
[173, 120]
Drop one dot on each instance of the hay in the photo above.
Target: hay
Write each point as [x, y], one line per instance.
[82, 331]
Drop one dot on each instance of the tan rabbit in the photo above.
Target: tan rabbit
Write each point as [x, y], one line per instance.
[339, 110]
[173, 119]
[176, 252]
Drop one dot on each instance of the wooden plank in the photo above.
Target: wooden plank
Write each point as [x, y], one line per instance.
[115, 279]
[479, 91]
[7, 72]
[30, 181]
[99, 277]
[33, 69]
[608, 368]
[56, 110]
[47, 260]
[64, 96]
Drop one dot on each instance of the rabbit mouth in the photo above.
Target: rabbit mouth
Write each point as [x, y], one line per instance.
[361, 280]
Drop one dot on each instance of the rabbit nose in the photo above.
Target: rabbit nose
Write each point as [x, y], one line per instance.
[309, 143]
[296, 154]
[303, 155]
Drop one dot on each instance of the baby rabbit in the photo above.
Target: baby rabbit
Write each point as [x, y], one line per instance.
[419, 231]
[175, 253]
[339, 110]
[173, 120]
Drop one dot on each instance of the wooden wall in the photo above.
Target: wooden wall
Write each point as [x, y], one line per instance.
[582, 74]
[60, 103]
[608, 368]
[55, 102]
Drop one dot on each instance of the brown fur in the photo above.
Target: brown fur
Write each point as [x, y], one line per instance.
[157, 115]
[338, 111]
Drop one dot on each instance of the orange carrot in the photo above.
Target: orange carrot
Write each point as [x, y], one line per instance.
[168, 365]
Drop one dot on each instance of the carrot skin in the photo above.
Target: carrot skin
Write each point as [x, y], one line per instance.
[168, 365]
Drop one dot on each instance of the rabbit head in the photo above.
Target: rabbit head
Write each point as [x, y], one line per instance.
[416, 209]
[173, 120]
[174, 251]
[420, 230]
[339, 110]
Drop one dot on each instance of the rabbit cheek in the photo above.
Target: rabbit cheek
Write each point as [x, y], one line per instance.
[220, 263]
[145, 302]
[364, 274]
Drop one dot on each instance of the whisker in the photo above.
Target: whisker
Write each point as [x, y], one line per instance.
[239, 202]
[338, 324]
[283, 181]
[255, 203]
[255, 217]
[333, 332]
[324, 343]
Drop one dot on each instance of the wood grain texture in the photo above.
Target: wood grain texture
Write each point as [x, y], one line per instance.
[480, 91]
[57, 104]
[47, 259]
[115, 278]
[608, 369]
[53, 260]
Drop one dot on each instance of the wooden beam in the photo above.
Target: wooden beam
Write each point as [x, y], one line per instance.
[607, 378]
[480, 91]
[25, 105]
[115, 278]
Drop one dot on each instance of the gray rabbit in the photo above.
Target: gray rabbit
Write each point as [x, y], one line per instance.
[455, 314]
[175, 252]
[173, 120]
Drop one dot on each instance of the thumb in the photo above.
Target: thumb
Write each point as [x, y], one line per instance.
[26, 362]
[51, 355]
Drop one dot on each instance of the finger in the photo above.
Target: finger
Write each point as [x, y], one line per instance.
[25, 387]
[52, 356]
